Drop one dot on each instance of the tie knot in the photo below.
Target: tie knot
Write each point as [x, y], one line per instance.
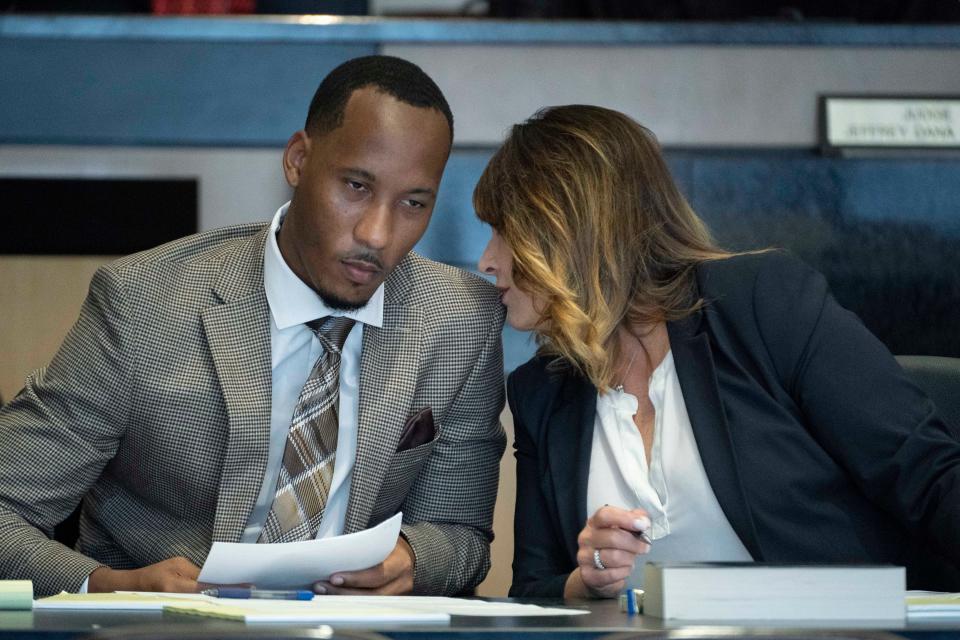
[332, 331]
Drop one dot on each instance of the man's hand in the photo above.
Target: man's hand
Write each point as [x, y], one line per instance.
[611, 532]
[393, 576]
[176, 575]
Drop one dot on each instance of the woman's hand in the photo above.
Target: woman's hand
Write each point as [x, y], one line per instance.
[611, 531]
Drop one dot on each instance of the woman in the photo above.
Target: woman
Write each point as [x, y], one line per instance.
[722, 405]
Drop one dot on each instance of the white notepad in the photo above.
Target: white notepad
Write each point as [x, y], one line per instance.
[317, 610]
[119, 601]
[320, 609]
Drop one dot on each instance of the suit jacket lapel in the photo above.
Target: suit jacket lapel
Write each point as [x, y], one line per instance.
[698, 380]
[569, 436]
[389, 367]
[238, 334]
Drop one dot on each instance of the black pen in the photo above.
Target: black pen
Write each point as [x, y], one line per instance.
[643, 536]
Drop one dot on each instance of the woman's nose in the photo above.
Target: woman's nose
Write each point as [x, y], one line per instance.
[487, 264]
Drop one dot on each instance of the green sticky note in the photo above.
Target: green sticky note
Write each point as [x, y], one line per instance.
[16, 594]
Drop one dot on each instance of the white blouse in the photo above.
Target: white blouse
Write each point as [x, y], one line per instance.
[687, 522]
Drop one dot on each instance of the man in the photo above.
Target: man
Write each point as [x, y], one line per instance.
[167, 410]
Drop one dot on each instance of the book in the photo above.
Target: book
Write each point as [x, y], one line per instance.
[756, 591]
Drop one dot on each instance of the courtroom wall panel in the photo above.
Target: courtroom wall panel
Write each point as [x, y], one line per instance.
[214, 100]
[40, 298]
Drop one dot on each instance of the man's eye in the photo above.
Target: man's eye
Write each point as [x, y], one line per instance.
[416, 204]
[356, 186]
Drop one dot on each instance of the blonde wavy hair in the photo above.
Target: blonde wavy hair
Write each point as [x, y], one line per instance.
[599, 232]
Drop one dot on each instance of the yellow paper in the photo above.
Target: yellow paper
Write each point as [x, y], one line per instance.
[16, 594]
[934, 598]
[209, 609]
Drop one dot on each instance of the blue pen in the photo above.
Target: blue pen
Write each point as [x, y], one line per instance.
[631, 601]
[263, 594]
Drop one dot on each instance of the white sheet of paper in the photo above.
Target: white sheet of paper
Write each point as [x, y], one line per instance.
[297, 565]
[384, 608]
[453, 606]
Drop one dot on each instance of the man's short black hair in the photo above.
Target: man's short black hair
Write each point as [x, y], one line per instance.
[396, 77]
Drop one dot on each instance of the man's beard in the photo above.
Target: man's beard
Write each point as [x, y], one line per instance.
[334, 301]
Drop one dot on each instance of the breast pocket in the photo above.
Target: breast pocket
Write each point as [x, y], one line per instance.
[404, 468]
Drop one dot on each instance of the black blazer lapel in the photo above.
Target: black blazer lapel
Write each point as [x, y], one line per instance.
[696, 371]
[569, 435]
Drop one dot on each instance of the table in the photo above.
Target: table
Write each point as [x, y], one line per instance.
[604, 618]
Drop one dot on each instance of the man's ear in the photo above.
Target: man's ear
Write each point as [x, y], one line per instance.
[295, 157]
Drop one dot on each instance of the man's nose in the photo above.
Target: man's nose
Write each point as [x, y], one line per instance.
[374, 228]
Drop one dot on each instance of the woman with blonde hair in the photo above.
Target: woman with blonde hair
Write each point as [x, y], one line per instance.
[688, 403]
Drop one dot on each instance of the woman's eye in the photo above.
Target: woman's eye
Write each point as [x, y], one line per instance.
[356, 186]
[416, 204]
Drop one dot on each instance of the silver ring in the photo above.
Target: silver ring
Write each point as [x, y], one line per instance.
[596, 560]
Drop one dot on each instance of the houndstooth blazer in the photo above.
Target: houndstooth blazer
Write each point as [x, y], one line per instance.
[156, 413]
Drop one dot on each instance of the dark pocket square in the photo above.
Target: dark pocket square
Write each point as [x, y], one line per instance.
[418, 430]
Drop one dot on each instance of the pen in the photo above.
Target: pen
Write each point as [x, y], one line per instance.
[263, 594]
[642, 535]
[631, 601]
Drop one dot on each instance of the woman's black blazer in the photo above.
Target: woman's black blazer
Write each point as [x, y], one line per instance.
[817, 447]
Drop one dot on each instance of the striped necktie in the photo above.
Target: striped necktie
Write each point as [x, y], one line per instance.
[307, 470]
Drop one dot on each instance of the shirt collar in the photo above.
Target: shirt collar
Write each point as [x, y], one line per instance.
[292, 301]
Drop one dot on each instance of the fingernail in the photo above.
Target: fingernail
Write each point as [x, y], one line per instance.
[641, 524]
[336, 580]
[319, 589]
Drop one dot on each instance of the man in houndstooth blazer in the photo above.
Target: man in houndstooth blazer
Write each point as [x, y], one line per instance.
[155, 412]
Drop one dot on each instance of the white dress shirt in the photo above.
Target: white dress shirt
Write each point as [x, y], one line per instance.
[294, 350]
[687, 522]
